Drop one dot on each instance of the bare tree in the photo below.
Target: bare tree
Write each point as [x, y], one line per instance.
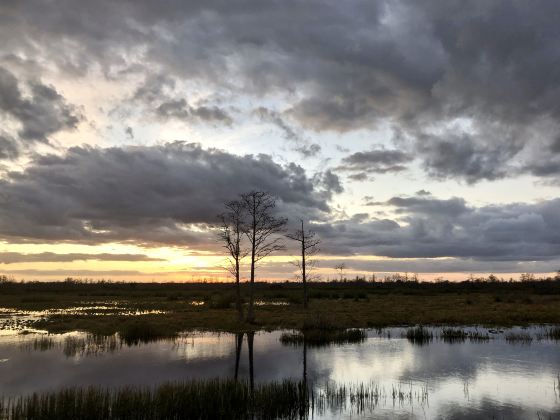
[340, 268]
[262, 231]
[231, 234]
[308, 244]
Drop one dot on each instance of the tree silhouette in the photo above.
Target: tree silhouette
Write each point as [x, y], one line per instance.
[308, 245]
[340, 268]
[262, 231]
[231, 233]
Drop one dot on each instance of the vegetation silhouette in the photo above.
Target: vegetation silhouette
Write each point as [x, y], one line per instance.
[309, 246]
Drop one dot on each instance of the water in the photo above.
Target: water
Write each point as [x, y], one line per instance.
[469, 379]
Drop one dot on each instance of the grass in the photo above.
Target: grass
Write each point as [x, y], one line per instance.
[211, 399]
[317, 338]
[141, 332]
[386, 304]
[519, 337]
[553, 333]
[419, 335]
[452, 335]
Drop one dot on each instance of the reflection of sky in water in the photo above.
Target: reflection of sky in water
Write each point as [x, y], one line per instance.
[464, 380]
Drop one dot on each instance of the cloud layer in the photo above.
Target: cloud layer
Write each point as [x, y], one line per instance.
[472, 89]
[154, 194]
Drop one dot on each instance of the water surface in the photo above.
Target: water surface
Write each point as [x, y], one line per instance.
[494, 378]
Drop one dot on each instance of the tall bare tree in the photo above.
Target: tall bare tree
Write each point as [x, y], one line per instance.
[262, 230]
[231, 233]
[308, 245]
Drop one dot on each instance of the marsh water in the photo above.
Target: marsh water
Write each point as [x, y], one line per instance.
[493, 378]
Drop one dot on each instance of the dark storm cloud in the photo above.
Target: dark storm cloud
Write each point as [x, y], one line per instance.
[16, 257]
[41, 113]
[431, 228]
[377, 161]
[147, 194]
[448, 265]
[417, 65]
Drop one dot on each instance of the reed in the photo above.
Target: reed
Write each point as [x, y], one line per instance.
[553, 333]
[318, 338]
[452, 335]
[134, 333]
[213, 399]
[419, 335]
[519, 337]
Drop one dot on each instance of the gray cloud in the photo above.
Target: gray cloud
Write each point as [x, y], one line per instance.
[40, 114]
[431, 228]
[300, 144]
[419, 66]
[377, 161]
[16, 257]
[146, 194]
[9, 147]
[180, 109]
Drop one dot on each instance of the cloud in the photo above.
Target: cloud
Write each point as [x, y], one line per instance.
[299, 144]
[9, 147]
[377, 161]
[16, 257]
[41, 114]
[406, 64]
[181, 110]
[166, 194]
[428, 227]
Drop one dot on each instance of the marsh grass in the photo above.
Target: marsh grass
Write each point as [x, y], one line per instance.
[466, 303]
[43, 343]
[419, 335]
[212, 399]
[318, 338]
[553, 333]
[457, 335]
[135, 333]
[91, 344]
[519, 337]
[363, 398]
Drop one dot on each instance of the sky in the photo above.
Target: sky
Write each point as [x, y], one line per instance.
[419, 137]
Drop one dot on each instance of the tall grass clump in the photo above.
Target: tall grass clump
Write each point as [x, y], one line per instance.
[452, 335]
[519, 337]
[134, 333]
[212, 399]
[553, 333]
[323, 337]
[419, 335]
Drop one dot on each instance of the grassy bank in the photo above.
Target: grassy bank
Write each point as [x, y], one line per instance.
[341, 304]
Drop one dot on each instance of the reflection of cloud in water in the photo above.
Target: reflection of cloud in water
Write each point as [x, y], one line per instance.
[461, 378]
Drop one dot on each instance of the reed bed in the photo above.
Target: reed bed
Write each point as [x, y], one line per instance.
[318, 338]
[213, 399]
[139, 332]
[519, 337]
[363, 398]
[452, 335]
[553, 333]
[419, 335]
[210, 399]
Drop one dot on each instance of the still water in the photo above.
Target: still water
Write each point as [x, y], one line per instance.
[494, 378]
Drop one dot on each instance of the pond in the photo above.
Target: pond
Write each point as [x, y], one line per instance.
[497, 377]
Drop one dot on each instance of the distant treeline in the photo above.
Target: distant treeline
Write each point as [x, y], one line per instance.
[545, 285]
